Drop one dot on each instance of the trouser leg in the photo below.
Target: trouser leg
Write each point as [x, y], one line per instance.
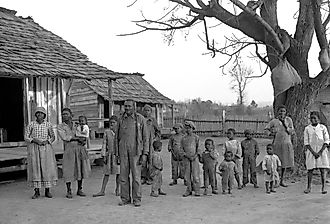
[136, 178]
[195, 175]
[124, 179]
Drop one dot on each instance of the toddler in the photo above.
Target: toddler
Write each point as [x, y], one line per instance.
[270, 165]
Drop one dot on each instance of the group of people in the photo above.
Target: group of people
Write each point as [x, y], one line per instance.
[132, 146]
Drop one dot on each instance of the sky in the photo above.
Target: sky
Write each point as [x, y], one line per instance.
[180, 71]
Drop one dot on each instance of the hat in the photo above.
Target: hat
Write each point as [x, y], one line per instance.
[147, 106]
[41, 109]
[178, 125]
[190, 124]
[247, 131]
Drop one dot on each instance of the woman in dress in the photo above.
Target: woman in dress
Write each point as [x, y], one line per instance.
[41, 169]
[316, 141]
[282, 129]
[76, 165]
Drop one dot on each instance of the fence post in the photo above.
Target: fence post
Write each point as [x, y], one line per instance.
[223, 122]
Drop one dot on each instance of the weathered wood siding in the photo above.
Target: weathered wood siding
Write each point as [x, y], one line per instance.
[84, 101]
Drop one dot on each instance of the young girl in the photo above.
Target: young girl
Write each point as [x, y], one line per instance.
[234, 146]
[316, 141]
[228, 171]
[270, 164]
[108, 153]
[82, 129]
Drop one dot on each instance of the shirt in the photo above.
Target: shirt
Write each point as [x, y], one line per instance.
[249, 148]
[190, 145]
[42, 132]
[82, 131]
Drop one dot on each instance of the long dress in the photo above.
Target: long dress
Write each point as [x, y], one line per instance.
[283, 147]
[76, 165]
[316, 137]
[41, 162]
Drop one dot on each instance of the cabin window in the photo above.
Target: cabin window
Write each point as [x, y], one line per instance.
[11, 110]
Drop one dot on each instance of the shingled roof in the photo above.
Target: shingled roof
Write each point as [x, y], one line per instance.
[27, 49]
[130, 86]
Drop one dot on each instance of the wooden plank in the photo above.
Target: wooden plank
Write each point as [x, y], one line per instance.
[12, 144]
[12, 168]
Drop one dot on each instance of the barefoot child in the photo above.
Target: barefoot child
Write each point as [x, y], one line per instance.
[175, 150]
[316, 141]
[270, 165]
[228, 171]
[234, 146]
[250, 151]
[156, 170]
[191, 154]
[108, 153]
[209, 159]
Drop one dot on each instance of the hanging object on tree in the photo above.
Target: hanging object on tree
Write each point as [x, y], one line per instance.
[283, 77]
[324, 59]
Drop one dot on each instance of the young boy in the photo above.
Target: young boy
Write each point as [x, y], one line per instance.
[82, 129]
[250, 151]
[209, 159]
[228, 171]
[108, 153]
[176, 160]
[270, 164]
[234, 146]
[191, 154]
[156, 170]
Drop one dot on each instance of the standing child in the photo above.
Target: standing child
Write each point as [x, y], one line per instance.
[228, 171]
[250, 151]
[176, 160]
[209, 159]
[234, 146]
[82, 129]
[156, 170]
[191, 154]
[109, 157]
[316, 141]
[270, 164]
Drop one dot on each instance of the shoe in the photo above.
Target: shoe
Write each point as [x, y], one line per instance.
[324, 192]
[122, 203]
[100, 194]
[268, 192]
[255, 186]
[307, 191]
[197, 194]
[239, 187]
[160, 192]
[273, 191]
[215, 192]
[174, 182]
[81, 193]
[283, 184]
[48, 194]
[153, 194]
[186, 194]
[69, 194]
[137, 203]
[36, 193]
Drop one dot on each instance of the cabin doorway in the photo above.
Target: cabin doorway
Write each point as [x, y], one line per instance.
[11, 110]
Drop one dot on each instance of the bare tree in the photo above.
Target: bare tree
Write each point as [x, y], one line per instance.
[258, 21]
[240, 75]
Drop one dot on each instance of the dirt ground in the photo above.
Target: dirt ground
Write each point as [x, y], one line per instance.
[248, 206]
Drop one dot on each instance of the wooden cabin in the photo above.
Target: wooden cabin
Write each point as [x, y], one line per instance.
[36, 69]
[91, 98]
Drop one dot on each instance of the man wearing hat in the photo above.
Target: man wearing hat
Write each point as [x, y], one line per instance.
[41, 169]
[132, 151]
[174, 147]
[191, 154]
[154, 134]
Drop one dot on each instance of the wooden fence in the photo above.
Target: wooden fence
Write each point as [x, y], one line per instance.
[219, 127]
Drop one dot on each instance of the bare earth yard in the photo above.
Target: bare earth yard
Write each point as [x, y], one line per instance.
[247, 206]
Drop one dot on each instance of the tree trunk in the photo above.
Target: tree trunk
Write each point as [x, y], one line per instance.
[299, 103]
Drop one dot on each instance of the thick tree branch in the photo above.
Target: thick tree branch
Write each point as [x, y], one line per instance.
[268, 28]
[305, 25]
[319, 28]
